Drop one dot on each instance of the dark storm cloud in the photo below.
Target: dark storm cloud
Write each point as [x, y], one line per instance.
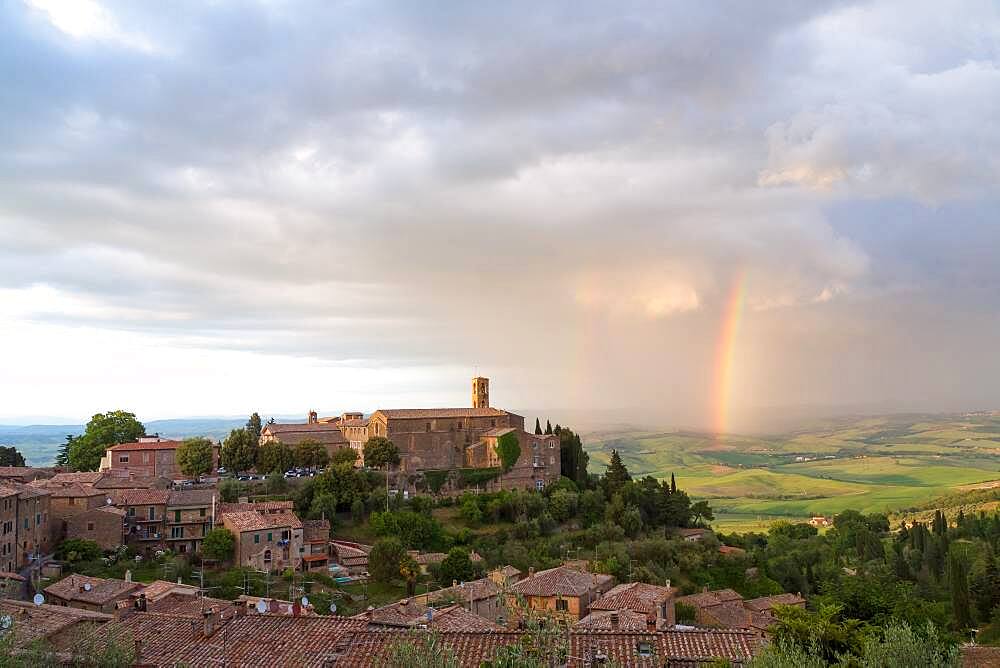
[568, 188]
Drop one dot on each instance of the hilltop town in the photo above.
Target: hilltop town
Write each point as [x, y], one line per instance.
[450, 536]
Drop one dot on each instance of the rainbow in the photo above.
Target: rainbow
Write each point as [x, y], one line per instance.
[725, 355]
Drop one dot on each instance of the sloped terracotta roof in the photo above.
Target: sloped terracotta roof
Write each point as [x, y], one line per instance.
[190, 606]
[671, 648]
[102, 591]
[470, 648]
[191, 497]
[140, 497]
[424, 413]
[707, 599]
[266, 641]
[70, 491]
[731, 615]
[34, 622]
[162, 639]
[86, 477]
[400, 613]
[160, 588]
[561, 580]
[637, 596]
[322, 432]
[164, 444]
[628, 620]
[979, 656]
[115, 480]
[457, 618]
[262, 506]
[708, 645]
[474, 590]
[253, 521]
[768, 602]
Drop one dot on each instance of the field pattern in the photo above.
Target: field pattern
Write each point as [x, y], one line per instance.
[894, 464]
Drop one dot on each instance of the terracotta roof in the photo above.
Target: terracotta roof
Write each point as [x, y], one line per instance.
[768, 602]
[262, 506]
[190, 606]
[110, 509]
[457, 618]
[86, 477]
[140, 497]
[353, 423]
[69, 491]
[730, 550]
[692, 532]
[470, 648]
[979, 656]
[264, 641]
[400, 613]
[474, 590]
[423, 413]
[7, 575]
[628, 620]
[672, 648]
[191, 497]
[112, 481]
[102, 591]
[27, 491]
[21, 471]
[509, 571]
[707, 599]
[350, 550]
[561, 580]
[160, 588]
[425, 558]
[7, 490]
[33, 622]
[706, 645]
[250, 520]
[497, 432]
[321, 432]
[732, 615]
[637, 596]
[162, 638]
[164, 444]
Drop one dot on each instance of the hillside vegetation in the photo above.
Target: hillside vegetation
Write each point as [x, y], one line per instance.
[893, 464]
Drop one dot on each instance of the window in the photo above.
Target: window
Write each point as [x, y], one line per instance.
[644, 648]
[123, 459]
[176, 532]
[72, 501]
[177, 516]
[428, 426]
[152, 512]
[90, 526]
[25, 522]
[284, 535]
[267, 556]
[201, 512]
[301, 550]
[562, 604]
[270, 537]
[539, 485]
[256, 538]
[131, 511]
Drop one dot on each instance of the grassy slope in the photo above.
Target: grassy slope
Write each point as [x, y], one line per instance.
[872, 465]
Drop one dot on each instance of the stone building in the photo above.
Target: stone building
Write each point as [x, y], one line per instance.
[8, 529]
[537, 466]
[188, 518]
[145, 516]
[266, 541]
[89, 593]
[33, 517]
[150, 456]
[105, 526]
[327, 434]
[562, 591]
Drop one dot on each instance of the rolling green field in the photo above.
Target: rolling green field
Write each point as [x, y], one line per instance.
[894, 464]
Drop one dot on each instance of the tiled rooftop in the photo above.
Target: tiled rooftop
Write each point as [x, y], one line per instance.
[768, 602]
[141, 497]
[628, 620]
[148, 445]
[33, 622]
[424, 413]
[637, 596]
[561, 580]
[101, 591]
[707, 599]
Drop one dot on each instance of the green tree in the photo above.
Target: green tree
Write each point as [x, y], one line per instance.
[508, 450]
[9, 456]
[239, 451]
[311, 454]
[324, 506]
[103, 431]
[616, 475]
[218, 544]
[62, 457]
[958, 582]
[380, 452]
[419, 650]
[469, 511]
[548, 427]
[275, 457]
[76, 549]
[538, 427]
[344, 456]
[563, 504]
[194, 457]
[229, 491]
[700, 510]
[385, 558]
[573, 459]
[254, 427]
[631, 521]
[457, 566]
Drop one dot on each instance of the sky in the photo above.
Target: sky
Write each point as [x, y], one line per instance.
[699, 214]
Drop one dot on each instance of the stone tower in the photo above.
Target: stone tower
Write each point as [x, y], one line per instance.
[480, 392]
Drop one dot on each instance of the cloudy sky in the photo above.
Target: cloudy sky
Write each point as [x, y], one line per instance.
[278, 206]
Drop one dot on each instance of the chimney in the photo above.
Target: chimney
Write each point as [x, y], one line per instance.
[704, 590]
[531, 571]
[296, 609]
[209, 624]
[454, 583]
[137, 658]
[368, 612]
[142, 602]
[241, 609]
[313, 417]
[614, 620]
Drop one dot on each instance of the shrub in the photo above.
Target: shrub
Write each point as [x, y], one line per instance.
[384, 560]
[75, 550]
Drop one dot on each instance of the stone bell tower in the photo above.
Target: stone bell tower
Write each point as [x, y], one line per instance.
[480, 392]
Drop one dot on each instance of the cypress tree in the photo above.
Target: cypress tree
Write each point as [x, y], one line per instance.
[616, 476]
[548, 427]
[958, 579]
[673, 484]
[538, 426]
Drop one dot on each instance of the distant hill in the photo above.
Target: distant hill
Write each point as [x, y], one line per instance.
[39, 443]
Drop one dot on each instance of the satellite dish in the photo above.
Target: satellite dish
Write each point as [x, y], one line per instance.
[110, 501]
[261, 606]
[305, 600]
[87, 586]
[333, 607]
[38, 600]
[430, 614]
[6, 621]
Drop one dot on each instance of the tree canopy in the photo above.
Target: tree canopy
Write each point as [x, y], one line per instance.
[380, 452]
[508, 450]
[84, 452]
[311, 454]
[275, 457]
[254, 427]
[218, 544]
[9, 456]
[385, 559]
[194, 457]
[239, 451]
